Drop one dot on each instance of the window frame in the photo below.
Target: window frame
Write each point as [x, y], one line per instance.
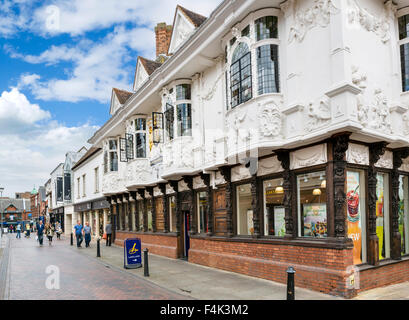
[401, 44]
[140, 131]
[113, 151]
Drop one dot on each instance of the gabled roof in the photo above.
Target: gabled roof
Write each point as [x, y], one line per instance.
[149, 65]
[122, 95]
[195, 18]
[86, 156]
[141, 75]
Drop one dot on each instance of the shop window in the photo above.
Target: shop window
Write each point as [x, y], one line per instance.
[382, 215]
[267, 69]
[149, 210]
[202, 202]
[266, 28]
[183, 92]
[404, 50]
[245, 224]
[356, 218]
[184, 113]
[404, 213]
[172, 213]
[312, 205]
[240, 75]
[274, 211]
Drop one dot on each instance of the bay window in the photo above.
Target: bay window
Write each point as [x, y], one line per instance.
[240, 75]
[169, 121]
[184, 113]
[266, 28]
[113, 155]
[183, 92]
[140, 137]
[267, 69]
[312, 205]
[404, 50]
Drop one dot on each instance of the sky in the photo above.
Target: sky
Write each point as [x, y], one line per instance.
[59, 61]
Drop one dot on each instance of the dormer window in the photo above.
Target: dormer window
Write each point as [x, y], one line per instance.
[404, 50]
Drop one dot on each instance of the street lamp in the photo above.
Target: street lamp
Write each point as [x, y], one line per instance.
[1, 226]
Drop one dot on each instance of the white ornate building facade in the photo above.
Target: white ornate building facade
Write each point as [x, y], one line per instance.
[272, 133]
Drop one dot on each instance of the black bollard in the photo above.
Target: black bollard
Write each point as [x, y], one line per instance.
[72, 239]
[98, 249]
[290, 284]
[145, 263]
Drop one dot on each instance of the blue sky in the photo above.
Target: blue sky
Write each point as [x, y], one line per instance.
[58, 63]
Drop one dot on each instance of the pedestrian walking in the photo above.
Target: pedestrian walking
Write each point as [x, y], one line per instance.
[108, 232]
[28, 230]
[49, 231]
[40, 232]
[18, 230]
[87, 234]
[78, 233]
[58, 230]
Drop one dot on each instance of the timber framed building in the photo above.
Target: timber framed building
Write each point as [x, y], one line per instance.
[270, 134]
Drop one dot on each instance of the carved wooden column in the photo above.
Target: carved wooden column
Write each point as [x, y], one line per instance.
[396, 238]
[144, 212]
[162, 188]
[131, 211]
[284, 158]
[255, 204]
[209, 207]
[192, 217]
[175, 186]
[118, 212]
[226, 173]
[376, 150]
[125, 211]
[137, 212]
[153, 208]
[339, 147]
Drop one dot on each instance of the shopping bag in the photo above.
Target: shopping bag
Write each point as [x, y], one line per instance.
[104, 236]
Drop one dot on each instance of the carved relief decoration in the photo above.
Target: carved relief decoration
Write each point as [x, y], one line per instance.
[385, 160]
[219, 179]
[309, 157]
[269, 166]
[270, 121]
[373, 23]
[381, 115]
[198, 183]
[320, 114]
[319, 15]
[240, 173]
[358, 154]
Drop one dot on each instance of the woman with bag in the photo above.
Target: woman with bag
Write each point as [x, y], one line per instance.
[49, 231]
[59, 231]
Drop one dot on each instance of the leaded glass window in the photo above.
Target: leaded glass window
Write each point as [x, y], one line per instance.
[267, 69]
[140, 144]
[266, 28]
[404, 50]
[183, 92]
[184, 114]
[240, 75]
[169, 121]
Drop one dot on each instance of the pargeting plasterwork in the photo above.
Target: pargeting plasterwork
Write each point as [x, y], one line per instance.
[308, 157]
[405, 165]
[385, 161]
[218, 179]
[319, 15]
[269, 166]
[270, 120]
[360, 80]
[110, 183]
[156, 192]
[198, 183]
[182, 185]
[379, 25]
[236, 129]
[319, 114]
[240, 173]
[358, 154]
[169, 189]
[381, 114]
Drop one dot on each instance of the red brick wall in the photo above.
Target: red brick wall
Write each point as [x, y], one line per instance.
[384, 275]
[163, 36]
[318, 269]
[157, 244]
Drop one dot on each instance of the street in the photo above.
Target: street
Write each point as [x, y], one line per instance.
[23, 275]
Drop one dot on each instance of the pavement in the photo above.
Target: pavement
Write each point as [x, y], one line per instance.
[200, 282]
[393, 292]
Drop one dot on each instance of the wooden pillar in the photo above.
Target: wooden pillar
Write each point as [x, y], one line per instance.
[340, 145]
[162, 188]
[144, 212]
[288, 178]
[153, 210]
[226, 173]
[178, 209]
[125, 211]
[376, 150]
[396, 238]
[192, 217]
[209, 206]
[255, 205]
[132, 212]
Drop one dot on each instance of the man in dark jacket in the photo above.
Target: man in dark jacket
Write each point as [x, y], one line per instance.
[108, 231]
[40, 232]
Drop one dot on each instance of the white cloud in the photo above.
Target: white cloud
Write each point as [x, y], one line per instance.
[28, 156]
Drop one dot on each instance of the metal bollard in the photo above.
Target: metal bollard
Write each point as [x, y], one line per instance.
[290, 284]
[98, 249]
[72, 239]
[145, 263]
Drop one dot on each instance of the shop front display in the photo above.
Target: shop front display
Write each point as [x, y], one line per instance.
[382, 215]
[274, 211]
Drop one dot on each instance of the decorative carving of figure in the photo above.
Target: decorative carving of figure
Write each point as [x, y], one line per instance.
[381, 112]
[319, 115]
[270, 120]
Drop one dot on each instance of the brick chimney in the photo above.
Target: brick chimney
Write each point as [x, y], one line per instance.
[163, 35]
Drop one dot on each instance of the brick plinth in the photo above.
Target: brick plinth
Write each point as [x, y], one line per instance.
[318, 269]
[162, 245]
